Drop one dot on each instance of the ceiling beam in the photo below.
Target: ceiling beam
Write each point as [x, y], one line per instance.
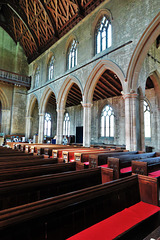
[110, 85]
[56, 34]
[21, 15]
[81, 11]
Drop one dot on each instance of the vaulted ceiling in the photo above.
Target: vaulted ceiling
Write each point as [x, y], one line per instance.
[37, 24]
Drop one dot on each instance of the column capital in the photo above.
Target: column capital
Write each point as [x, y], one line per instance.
[130, 95]
[87, 105]
[41, 114]
[60, 110]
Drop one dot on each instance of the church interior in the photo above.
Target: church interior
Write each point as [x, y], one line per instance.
[79, 119]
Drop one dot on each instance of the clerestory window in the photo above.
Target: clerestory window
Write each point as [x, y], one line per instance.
[103, 35]
[72, 55]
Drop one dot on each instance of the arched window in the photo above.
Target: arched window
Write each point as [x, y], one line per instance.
[51, 69]
[66, 125]
[72, 55]
[147, 120]
[107, 122]
[103, 35]
[37, 73]
[47, 125]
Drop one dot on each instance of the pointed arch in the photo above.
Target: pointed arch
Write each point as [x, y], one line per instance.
[140, 52]
[44, 99]
[63, 93]
[4, 100]
[96, 73]
[31, 103]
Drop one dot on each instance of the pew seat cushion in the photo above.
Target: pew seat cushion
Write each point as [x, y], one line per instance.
[72, 160]
[125, 170]
[120, 222]
[154, 174]
[104, 165]
[86, 163]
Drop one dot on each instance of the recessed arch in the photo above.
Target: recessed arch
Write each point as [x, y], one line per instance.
[140, 52]
[44, 99]
[4, 100]
[31, 103]
[96, 73]
[63, 93]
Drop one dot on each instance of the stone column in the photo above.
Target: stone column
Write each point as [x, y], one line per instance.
[131, 111]
[142, 137]
[5, 127]
[60, 118]
[41, 128]
[87, 124]
[28, 127]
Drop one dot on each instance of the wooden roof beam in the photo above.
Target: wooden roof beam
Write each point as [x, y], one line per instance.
[112, 93]
[113, 87]
[56, 34]
[21, 15]
[81, 11]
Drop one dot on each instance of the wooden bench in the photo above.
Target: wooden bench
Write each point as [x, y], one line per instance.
[63, 179]
[121, 166]
[25, 163]
[100, 159]
[34, 170]
[69, 155]
[149, 167]
[62, 216]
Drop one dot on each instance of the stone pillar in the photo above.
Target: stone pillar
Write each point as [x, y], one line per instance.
[28, 127]
[60, 118]
[41, 128]
[5, 127]
[87, 124]
[142, 137]
[130, 120]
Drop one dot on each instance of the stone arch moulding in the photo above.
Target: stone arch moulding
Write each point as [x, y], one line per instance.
[98, 16]
[97, 71]
[63, 93]
[4, 100]
[31, 103]
[140, 52]
[44, 99]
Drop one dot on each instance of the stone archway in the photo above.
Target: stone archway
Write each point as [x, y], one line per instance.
[140, 52]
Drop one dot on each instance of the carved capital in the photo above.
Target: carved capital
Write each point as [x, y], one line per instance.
[87, 105]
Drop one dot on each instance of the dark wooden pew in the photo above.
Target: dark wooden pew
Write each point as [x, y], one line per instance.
[92, 156]
[100, 159]
[149, 167]
[36, 170]
[63, 179]
[62, 216]
[121, 166]
[69, 155]
[25, 163]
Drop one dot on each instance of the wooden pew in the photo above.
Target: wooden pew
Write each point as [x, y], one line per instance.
[122, 166]
[93, 156]
[69, 155]
[149, 167]
[62, 216]
[99, 159]
[63, 179]
[36, 170]
[25, 163]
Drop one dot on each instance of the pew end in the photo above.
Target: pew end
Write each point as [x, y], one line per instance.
[93, 160]
[114, 163]
[149, 189]
[107, 174]
[139, 168]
